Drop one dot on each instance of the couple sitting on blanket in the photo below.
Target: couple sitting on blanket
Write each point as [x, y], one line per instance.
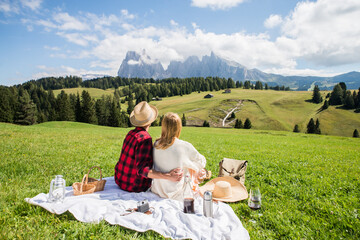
[161, 166]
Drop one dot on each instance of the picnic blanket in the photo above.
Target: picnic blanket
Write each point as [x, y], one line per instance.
[167, 218]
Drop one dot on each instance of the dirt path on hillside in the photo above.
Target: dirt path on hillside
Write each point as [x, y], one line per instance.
[231, 111]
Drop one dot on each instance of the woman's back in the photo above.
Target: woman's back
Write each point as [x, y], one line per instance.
[180, 154]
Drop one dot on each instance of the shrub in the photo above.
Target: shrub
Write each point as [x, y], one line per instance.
[356, 133]
[296, 128]
[206, 124]
[247, 124]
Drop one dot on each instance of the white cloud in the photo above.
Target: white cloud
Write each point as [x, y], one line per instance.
[125, 14]
[52, 48]
[8, 7]
[173, 23]
[326, 32]
[273, 21]
[63, 71]
[77, 38]
[194, 25]
[32, 4]
[68, 22]
[45, 23]
[216, 4]
[301, 72]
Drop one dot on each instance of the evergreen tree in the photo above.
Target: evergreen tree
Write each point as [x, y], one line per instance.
[355, 133]
[296, 128]
[27, 111]
[230, 83]
[88, 108]
[232, 115]
[183, 120]
[64, 110]
[52, 116]
[206, 124]
[317, 127]
[266, 86]
[349, 101]
[343, 87]
[317, 98]
[6, 111]
[78, 110]
[130, 104]
[326, 105]
[100, 109]
[238, 124]
[258, 85]
[115, 116]
[247, 85]
[311, 126]
[247, 124]
[336, 97]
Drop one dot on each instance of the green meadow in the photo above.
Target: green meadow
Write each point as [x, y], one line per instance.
[310, 184]
[94, 92]
[267, 109]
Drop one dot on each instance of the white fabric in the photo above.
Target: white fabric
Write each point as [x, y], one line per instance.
[181, 154]
[167, 218]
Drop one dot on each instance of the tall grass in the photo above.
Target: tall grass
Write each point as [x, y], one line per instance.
[309, 183]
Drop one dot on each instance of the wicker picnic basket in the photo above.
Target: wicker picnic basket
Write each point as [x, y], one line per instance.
[81, 188]
[99, 184]
[89, 185]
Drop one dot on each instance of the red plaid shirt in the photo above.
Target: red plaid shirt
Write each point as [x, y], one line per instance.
[135, 161]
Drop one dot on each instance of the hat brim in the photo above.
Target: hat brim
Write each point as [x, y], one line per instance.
[238, 190]
[136, 123]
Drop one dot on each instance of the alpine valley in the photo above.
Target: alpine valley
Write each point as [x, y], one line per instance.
[140, 65]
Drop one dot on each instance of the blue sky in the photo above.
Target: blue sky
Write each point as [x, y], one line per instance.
[42, 38]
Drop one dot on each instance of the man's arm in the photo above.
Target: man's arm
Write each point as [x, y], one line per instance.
[144, 157]
[174, 175]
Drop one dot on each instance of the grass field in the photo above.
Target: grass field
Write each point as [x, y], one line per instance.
[267, 110]
[94, 92]
[310, 184]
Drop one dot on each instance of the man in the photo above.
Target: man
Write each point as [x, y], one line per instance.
[133, 171]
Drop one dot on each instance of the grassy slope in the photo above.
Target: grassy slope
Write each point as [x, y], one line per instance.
[269, 110]
[94, 92]
[310, 184]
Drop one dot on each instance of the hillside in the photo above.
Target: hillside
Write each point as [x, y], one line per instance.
[302, 188]
[94, 92]
[267, 110]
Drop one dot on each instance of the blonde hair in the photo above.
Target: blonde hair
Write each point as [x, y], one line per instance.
[170, 129]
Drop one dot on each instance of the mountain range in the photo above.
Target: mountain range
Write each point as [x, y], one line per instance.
[140, 65]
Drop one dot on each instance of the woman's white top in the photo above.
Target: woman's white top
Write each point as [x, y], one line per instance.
[179, 155]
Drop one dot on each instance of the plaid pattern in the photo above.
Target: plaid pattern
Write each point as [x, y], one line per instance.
[135, 161]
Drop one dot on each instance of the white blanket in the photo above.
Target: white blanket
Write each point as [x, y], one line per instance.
[167, 218]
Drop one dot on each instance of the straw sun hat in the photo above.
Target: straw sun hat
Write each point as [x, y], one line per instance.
[225, 189]
[143, 114]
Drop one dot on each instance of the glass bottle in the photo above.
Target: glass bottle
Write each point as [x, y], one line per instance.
[57, 189]
[188, 196]
[255, 199]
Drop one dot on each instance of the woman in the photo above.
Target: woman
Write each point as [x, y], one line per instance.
[169, 153]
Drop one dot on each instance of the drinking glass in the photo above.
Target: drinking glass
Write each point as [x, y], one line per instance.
[255, 199]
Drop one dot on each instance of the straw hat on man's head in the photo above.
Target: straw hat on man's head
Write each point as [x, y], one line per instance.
[143, 114]
[225, 189]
